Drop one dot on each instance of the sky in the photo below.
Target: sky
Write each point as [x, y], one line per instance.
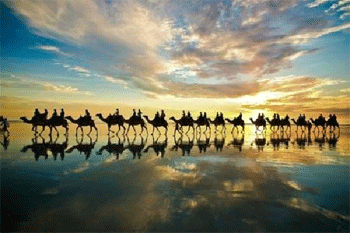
[235, 56]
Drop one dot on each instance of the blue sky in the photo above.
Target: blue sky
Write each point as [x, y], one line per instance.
[252, 55]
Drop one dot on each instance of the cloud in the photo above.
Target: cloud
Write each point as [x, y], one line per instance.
[115, 80]
[317, 3]
[53, 49]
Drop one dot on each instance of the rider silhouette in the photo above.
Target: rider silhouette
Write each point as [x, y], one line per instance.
[87, 115]
[157, 117]
[54, 114]
[221, 116]
[188, 115]
[116, 112]
[239, 116]
[62, 113]
[162, 115]
[134, 113]
[139, 113]
[200, 118]
[45, 113]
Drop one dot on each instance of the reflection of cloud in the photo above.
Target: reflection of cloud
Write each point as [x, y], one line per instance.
[82, 167]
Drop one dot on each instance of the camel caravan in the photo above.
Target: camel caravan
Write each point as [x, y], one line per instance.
[186, 121]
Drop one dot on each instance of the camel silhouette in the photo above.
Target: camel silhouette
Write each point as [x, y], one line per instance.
[82, 122]
[302, 123]
[218, 121]
[302, 140]
[274, 123]
[320, 138]
[202, 121]
[236, 122]
[183, 122]
[157, 122]
[332, 123]
[259, 122]
[135, 120]
[284, 122]
[52, 123]
[158, 147]
[319, 122]
[332, 140]
[113, 148]
[277, 138]
[112, 120]
[260, 142]
[6, 141]
[85, 148]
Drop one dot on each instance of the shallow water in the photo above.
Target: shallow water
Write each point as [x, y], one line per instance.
[219, 182]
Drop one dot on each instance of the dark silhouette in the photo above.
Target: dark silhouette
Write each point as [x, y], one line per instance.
[136, 149]
[83, 122]
[332, 123]
[219, 143]
[237, 142]
[6, 141]
[219, 120]
[203, 144]
[113, 148]
[277, 138]
[5, 124]
[285, 123]
[135, 120]
[39, 149]
[184, 121]
[274, 123]
[158, 121]
[302, 140]
[260, 121]
[158, 147]
[320, 138]
[85, 148]
[301, 122]
[237, 121]
[185, 147]
[112, 120]
[320, 121]
[260, 141]
[202, 120]
[332, 140]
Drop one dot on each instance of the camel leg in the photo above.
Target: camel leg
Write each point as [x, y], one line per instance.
[152, 131]
[127, 131]
[158, 130]
[134, 129]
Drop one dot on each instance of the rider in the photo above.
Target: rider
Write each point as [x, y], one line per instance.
[62, 113]
[221, 116]
[5, 125]
[157, 117]
[116, 112]
[87, 115]
[188, 115]
[139, 113]
[134, 113]
[200, 118]
[320, 117]
[45, 114]
[162, 115]
[54, 114]
[205, 116]
[239, 116]
[183, 115]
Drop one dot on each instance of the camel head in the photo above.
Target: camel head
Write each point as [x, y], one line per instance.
[99, 115]
[172, 118]
[23, 118]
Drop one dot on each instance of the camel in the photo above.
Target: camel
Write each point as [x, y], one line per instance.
[112, 120]
[285, 122]
[135, 120]
[82, 122]
[183, 122]
[202, 122]
[259, 122]
[274, 123]
[52, 123]
[301, 122]
[218, 121]
[157, 123]
[332, 123]
[236, 122]
[319, 122]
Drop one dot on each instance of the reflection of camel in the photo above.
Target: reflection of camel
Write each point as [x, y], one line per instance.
[259, 122]
[219, 143]
[158, 147]
[41, 149]
[157, 122]
[203, 144]
[52, 123]
[332, 140]
[302, 140]
[6, 141]
[260, 142]
[319, 122]
[112, 120]
[218, 121]
[236, 122]
[320, 139]
[185, 147]
[183, 122]
[113, 148]
[85, 148]
[277, 138]
[237, 142]
[136, 149]
[135, 120]
[82, 122]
